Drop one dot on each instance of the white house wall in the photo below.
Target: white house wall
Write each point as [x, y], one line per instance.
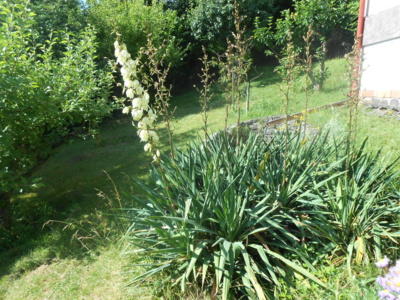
[381, 50]
[381, 68]
[376, 6]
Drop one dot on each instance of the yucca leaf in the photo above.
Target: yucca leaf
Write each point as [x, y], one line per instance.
[194, 259]
[296, 268]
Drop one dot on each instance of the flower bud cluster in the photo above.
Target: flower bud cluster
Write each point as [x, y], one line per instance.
[140, 109]
[390, 282]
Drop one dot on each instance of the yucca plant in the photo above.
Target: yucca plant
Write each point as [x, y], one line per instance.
[212, 221]
[358, 212]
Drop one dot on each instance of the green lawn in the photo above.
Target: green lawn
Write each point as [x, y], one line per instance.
[49, 263]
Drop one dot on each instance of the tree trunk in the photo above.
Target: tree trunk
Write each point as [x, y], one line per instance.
[322, 68]
[314, 81]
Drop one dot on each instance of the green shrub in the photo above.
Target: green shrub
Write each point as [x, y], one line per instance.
[215, 221]
[241, 220]
[42, 97]
[359, 209]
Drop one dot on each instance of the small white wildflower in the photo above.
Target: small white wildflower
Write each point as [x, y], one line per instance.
[132, 64]
[154, 137]
[125, 73]
[146, 96]
[142, 125]
[383, 263]
[151, 115]
[117, 51]
[123, 57]
[139, 90]
[128, 84]
[136, 84]
[145, 100]
[147, 121]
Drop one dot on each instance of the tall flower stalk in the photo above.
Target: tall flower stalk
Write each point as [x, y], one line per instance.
[157, 78]
[206, 78]
[307, 67]
[143, 115]
[354, 78]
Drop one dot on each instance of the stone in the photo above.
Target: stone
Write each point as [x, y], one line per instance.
[376, 102]
[385, 103]
[395, 103]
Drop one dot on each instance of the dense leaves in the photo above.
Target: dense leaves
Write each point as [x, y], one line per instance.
[56, 15]
[241, 220]
[134, 20]
[43, 97]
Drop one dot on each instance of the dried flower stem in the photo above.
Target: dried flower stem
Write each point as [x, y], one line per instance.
[206, 80]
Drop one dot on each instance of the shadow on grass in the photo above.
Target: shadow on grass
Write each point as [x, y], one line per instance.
[72, 178]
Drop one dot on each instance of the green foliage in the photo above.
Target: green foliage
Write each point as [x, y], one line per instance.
[332, 23]
[329, 19]
[227, 217]
[243, 220]
[133, 20]
[56, 15]
[211, 22]
[42, 98]
[359, 210]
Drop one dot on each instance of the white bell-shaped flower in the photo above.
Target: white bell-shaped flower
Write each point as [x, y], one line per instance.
[137, 114]
[126, 110]
[135, 84]
[128, 84]
[144, 135]
[137, 103]
[147, 147]
[142, 125]
[139, 90]
[130, 93]
[147, 121]
[132, 64]
[123, 57]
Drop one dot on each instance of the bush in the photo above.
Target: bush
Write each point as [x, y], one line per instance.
[240, 220]
[42, 98]
[217, 219]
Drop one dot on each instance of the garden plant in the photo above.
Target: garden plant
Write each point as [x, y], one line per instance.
[282, 207]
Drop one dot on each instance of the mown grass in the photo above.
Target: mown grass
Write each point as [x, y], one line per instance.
[47, 262]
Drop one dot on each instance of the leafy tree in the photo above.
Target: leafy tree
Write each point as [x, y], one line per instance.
[42, 97]
[133, 19]
[211, 21]
[56, 15]
[330, 20]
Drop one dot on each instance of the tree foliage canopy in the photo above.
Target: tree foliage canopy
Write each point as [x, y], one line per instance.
[331, 20]
[43, 96]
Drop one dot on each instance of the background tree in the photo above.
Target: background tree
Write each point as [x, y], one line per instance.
[42, 97]
[57, 15]
[212, 22]
[332, 22]
[134, 19]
